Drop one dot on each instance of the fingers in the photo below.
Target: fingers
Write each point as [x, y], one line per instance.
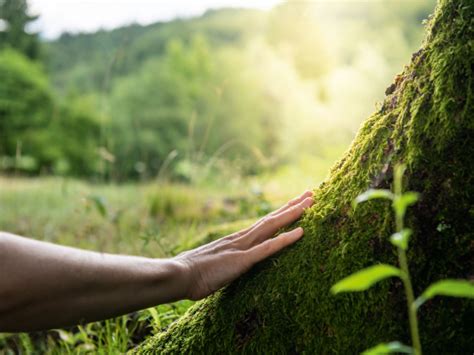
[272, 246]
[244, 240]
[293, 202]
[289, 204]
[272, 223]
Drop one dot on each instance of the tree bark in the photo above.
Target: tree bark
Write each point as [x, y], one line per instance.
[284, 305]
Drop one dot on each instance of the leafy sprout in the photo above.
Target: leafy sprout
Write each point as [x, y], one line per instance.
[366, 278]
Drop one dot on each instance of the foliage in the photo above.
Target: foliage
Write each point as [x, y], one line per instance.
[233, 92]
[26, 107]
[138, 101]
[91, 62]
[38, 133]
[234, 89]
[186, 101]
[77, 135]
[388, 348]
[453, 288]
[365, 278]
[14, 33]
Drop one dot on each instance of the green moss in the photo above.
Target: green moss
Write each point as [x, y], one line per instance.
[284, 306]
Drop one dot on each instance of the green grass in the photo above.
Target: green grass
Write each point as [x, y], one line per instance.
[152, 219]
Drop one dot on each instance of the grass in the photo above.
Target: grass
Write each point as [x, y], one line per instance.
[153, 219]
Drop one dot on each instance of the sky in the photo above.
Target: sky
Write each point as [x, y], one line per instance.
[57, 16]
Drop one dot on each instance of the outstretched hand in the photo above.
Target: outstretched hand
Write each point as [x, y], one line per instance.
[214, 265]
[43, 285]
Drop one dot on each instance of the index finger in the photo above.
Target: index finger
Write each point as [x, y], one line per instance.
[289, 204]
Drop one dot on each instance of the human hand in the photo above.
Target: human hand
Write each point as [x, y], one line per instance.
[212, 266]
[74, 286]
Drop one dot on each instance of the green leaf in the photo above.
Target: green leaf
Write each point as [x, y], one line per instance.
[364, 279]
[448, 287]
[388, 348]
[372, 194]
[99, 203]
[402, 202]
[400, 239]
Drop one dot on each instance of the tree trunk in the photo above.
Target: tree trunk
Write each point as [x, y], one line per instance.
[284, 305]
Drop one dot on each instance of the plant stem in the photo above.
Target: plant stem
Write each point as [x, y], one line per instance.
[402, 258]
[415, 337]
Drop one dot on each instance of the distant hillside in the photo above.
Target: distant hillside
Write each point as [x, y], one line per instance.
[233, 84]
[87, 62]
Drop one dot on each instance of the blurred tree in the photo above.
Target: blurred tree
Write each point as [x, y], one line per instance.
[14, 31]
[150, 111]
[89, 62]
[239, 92]
[76, 128]
[37, 134]
[26, 106]
[191, 101]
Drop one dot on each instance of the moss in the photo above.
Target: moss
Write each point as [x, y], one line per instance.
[284, 306]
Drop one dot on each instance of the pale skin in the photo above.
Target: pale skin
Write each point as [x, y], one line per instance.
[44, 286]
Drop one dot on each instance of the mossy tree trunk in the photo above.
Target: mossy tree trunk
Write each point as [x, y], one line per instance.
[284, 306]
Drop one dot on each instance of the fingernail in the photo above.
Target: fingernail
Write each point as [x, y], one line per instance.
[307, 202]
[303, 194]
[299, 231]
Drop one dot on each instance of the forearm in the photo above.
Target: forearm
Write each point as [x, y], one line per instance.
[46, 286]
[43, 285]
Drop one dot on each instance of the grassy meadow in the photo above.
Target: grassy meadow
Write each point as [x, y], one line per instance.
[155, 219]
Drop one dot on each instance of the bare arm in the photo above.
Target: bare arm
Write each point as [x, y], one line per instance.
[43, 285]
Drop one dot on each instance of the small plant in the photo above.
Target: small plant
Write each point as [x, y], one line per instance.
[364, 279]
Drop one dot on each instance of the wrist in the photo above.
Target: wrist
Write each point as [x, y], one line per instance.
[181, 279]
[187, 276]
